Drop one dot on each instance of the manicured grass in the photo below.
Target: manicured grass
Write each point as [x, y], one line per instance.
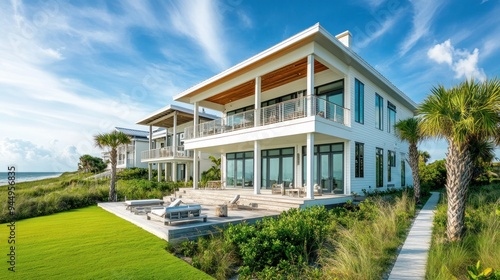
[89, 243]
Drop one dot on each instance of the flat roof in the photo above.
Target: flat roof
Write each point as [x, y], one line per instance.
[164, 117]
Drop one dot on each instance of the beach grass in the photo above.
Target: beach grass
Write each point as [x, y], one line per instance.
[89, 243]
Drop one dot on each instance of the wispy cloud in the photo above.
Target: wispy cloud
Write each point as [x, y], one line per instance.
[424, 12]
[462, 62]
[202, 22]
[380, 28]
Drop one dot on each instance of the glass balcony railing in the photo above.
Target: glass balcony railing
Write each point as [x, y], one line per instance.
[167, 152]
[277, 113]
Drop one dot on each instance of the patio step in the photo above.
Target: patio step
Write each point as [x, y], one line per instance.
[247, 198]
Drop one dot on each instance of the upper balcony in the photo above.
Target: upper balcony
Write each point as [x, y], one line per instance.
[166, 154]
[298, 108]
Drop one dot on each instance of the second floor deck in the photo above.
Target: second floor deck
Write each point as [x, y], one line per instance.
[298, 108]
[166, 154]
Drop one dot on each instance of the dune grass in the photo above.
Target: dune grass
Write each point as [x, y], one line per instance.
[90, 243]
[449, 260]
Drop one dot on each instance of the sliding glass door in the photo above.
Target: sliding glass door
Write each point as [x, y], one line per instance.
[277, 167]
[328, 168]
[239, 169]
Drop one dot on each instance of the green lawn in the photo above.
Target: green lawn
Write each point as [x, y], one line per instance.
[89, 243]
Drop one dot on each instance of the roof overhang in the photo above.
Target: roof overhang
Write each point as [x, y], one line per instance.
[236, 83]
[165, 116]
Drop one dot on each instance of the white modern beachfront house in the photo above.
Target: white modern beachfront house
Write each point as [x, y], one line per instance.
[306, 111]
[129, 155]
[167, 153]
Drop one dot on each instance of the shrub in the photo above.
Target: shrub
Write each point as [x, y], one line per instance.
[433, 175]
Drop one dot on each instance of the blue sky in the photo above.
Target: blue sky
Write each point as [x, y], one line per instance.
[71, 70]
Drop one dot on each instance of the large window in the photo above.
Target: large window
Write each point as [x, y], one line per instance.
[359, 99]
[379, 112]
[391, 119]
[328, 167]
[239, 169]
[379, 167]
[359, 169]
[277, 167]
[391, 162]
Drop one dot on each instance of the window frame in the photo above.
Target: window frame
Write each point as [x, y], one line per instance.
[379, 112]
[359, 101]
[359, 161]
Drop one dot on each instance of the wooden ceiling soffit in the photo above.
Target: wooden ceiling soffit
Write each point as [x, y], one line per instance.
[274, 79]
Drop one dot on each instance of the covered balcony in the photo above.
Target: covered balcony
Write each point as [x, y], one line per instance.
[301, 107]
[167, 153]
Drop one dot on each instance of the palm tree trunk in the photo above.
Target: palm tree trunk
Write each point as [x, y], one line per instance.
[413, 155]
[458, 169]
[113, 155]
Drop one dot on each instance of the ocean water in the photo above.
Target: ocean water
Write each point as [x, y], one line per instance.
[27, 176]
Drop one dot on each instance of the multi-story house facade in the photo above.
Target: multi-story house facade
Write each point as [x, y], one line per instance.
[129, 155]
[307, 111]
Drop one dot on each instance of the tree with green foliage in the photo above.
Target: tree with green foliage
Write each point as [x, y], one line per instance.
[92, 164]
[424, 156]
[213, 173]
[409, 130]
[112, 141]
[461, 115]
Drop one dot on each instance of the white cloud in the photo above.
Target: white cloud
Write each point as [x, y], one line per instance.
[30, 157]
[442, 52]
[201, 21]
[462, 62]
[380, 29]
[424, 12]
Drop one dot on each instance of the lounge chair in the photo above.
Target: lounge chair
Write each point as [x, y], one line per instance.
[233, 202]
[133, 204]
[171, 214]
[175, 203]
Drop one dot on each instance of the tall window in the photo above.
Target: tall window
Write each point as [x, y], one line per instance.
[359, 169]
[239, 169]
[391, 120]
[379, 168]
[391, 162]
[403, 172]
[328, 167]
[277, 167]
[379, 112]
[359, 99]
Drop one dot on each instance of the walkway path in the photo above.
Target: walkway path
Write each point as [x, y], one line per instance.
[412, 259]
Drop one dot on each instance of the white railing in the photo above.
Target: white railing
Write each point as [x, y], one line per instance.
[284, 111]
[167, 152]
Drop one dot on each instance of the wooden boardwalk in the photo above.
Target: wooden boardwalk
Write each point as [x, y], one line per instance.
[412, 259]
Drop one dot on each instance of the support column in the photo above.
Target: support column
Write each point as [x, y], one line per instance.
[186, 172]
[159, 171]
[126, 156]
[174, 137]
[310, 85]
[150, 173]
[195, 169]
[257, 175]
[150, 147]
[257, 101]
[195, 122]
[310, 166]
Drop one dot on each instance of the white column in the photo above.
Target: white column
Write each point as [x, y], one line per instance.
[310, 165]
[126, 156]
[257, 101]
[310, 84]
[150, 173]
[166, 138]
[150, 137]
[174, 137]
[298, 166]
[256, 167]
[195, 122]
[159, 171]
[195, 169]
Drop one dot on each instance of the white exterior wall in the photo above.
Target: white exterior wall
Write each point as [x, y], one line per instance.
[140, 146]
[374, 138]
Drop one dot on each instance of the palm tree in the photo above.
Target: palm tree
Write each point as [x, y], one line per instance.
[460, 115]
[424, 156]
[409, 130]
[111, 140]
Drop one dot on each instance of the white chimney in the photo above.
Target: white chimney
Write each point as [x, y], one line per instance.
[345, 38]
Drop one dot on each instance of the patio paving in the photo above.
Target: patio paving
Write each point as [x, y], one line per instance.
[189, 229]
[412, 258]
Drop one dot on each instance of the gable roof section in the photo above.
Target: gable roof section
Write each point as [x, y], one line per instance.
[315, 34]
[133, 132]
